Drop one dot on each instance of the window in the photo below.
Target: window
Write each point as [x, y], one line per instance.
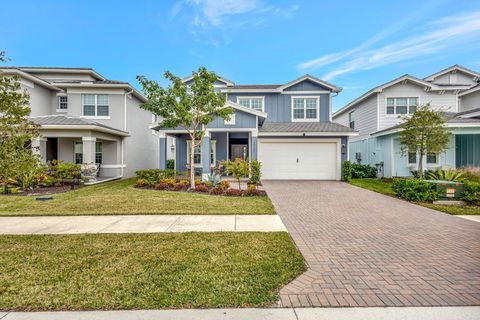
[98, 152]
[432, 158]
[401, 106]
[412, 158]
[78, 152]
[305, 108]
[95, 105]
[255, 103]
[197, 156]
[351, 119]
[63, 103]
[231, 121]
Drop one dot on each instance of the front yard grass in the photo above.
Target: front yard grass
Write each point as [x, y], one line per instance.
[120, 197]
[145, 271]
[383, 187]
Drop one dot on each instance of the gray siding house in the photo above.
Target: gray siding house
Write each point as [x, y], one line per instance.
[86, 118]
[377, 114]
[287, 127]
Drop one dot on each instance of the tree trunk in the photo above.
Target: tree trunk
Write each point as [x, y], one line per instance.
[239, 186]
[420, 166]
[192, 164]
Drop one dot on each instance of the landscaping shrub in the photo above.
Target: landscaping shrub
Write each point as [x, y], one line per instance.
[217, 191]
[471, 174]
[233, 192]
[224, 185]
[170, 182]
[179, 186]
[360, 171]
[201, 188]
[471, 192]
[252, 191]
[171, 164]
[154, 176]
[347, 171]
[161, 186]
[238, 169]
[416, 174]
[444, 174]
[64, 171]
[255, 173]
[414, 189]
[141, 183]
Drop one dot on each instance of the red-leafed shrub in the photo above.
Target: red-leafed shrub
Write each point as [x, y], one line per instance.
[233, 193]
[179, 186]
[201, 188]
[161, 186]
[217, 191]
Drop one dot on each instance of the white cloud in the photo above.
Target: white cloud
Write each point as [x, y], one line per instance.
[447, 33]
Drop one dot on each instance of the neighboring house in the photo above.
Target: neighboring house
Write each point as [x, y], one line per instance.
[86, 118]
[286, 127]
[377, 115]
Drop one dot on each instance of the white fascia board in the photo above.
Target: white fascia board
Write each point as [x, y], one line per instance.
[313, 79]
[474, 89]
[455, 67]
[247, 110]
[306, 134]
[227, 90]
[86, 127]
[65, 70]
[30, 77]
[222, 79]
[447, 125]
[127, 86]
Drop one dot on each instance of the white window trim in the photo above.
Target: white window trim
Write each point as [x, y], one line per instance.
[437, 162]
[101, 152]
[395, 114]
[200, 165]
[411, 164]
[58, 107]
[349, 118]
[96, 107]
[250, 103]
[304, 119]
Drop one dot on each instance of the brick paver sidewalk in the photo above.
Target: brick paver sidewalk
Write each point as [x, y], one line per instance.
[366, 249]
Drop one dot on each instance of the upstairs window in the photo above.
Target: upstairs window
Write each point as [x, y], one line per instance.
[62, 102]
[256, 103]
[351, 119]
[305, 108]
[401, 106]
[95, 105]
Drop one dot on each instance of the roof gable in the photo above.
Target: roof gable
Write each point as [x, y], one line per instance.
[220, 81]
[311, 80]
[454, 68]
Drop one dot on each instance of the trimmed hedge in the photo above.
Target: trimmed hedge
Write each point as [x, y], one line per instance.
[360, 171]
[347, 171]
[414, 189]
[154, 176]
[471, 192]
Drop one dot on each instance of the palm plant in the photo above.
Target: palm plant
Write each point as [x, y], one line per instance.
[444, 174]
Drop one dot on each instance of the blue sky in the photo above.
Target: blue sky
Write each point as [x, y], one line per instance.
[353, 44]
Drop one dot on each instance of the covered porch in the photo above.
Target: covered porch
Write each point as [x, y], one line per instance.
[83, 144]
[216, 146]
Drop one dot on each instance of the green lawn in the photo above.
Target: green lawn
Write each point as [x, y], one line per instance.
[145, 271]
[120, 197]
[386, 188]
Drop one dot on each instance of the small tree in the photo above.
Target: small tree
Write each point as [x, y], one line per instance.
[238, 169]
[424, 132]
[191, 106]
[16, 130]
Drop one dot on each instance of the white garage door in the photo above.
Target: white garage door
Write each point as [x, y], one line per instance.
[299, 159]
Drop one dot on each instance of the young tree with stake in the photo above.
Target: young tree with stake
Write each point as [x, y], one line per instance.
[191, 106]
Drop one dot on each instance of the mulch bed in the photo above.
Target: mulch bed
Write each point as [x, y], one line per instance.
[42, 191]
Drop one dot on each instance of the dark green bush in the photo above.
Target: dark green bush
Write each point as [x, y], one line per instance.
[255, 172]
[347, 171]
[154, 176]
[414, 189]
[63, 172]
[360, 171]
[171, 164]
[471, 192]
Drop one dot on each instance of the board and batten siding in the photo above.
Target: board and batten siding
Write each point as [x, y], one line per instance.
[469, 101]
[454, 78]
[279, 106]
[446, 102]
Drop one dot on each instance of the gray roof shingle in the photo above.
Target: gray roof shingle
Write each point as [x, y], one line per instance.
[304, 127]
[61, 120]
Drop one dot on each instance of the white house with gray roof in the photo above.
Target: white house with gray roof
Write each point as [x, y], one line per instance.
[86, 118]
[377, 114]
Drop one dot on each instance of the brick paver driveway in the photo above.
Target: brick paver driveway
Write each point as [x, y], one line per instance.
[366, 249]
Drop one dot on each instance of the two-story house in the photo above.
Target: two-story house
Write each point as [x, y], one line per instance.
[377, 114]
[287, 127]
[86, 118]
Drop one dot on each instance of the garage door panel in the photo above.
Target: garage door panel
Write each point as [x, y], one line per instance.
[298, 160]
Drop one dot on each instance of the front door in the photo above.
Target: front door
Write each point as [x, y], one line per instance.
[52, 149]
[238, 151]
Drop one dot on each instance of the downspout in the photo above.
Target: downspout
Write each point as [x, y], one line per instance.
[124, 129]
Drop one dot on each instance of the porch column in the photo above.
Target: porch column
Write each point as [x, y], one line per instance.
[39, 147]
[88, 152]
[206, 147]
[253, 147]
[163, 150]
